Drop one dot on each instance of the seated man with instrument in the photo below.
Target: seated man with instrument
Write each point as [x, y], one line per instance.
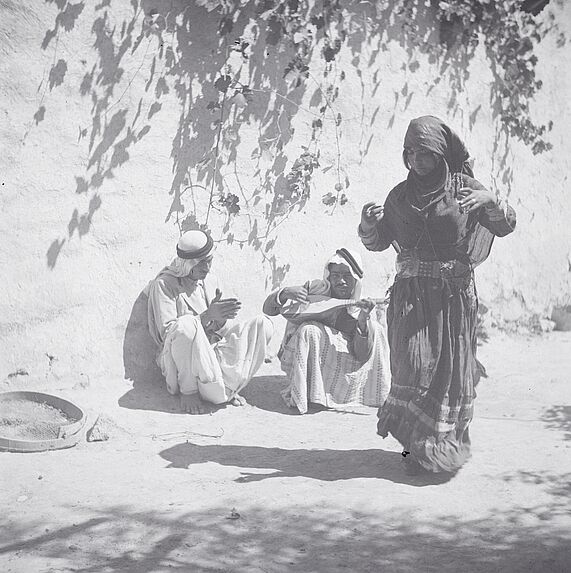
[333, 351]
[202, 356]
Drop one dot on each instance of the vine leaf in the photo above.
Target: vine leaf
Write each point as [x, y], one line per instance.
[231, 202]
[223, 83]
[329, 199]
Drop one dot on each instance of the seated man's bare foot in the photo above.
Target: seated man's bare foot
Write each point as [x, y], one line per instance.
[193, 404]
[238, 400]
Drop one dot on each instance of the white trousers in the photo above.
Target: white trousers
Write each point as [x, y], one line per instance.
[217, 372]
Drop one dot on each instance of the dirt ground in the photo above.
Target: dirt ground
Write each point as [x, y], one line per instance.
[261, 489]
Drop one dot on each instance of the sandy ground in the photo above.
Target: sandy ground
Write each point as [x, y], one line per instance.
[261, 489]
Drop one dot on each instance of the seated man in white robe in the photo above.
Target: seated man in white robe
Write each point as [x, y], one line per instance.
[203, 357]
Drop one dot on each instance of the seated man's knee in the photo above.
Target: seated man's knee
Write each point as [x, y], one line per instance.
[266, 324]
[186, 326]
[263, 325]
[311, 330]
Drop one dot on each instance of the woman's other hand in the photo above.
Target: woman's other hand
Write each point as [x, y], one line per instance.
[371, 214]
[472, 199]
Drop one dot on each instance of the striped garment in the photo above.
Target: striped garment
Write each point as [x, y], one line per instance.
[320, 368]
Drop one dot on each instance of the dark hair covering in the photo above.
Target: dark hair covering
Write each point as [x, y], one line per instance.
[432, 134]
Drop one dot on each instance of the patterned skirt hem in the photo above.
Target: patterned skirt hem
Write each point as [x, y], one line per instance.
[435, 451]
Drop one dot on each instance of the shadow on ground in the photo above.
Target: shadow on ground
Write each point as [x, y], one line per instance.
[559, 418]
[264, 392]
[304, 539]
[557, 485]
[323, 464]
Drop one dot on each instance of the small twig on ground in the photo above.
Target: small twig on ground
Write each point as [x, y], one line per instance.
[186, 434]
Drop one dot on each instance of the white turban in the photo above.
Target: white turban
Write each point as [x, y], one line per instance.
[192, 247]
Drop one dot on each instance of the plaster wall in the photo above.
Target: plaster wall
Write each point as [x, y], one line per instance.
[95, 147]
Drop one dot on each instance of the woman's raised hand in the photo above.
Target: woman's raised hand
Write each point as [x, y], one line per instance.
[371, 214]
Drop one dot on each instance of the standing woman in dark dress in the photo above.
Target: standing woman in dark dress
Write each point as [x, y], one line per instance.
[442, 223]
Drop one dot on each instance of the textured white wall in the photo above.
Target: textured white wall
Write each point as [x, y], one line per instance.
[70, 280]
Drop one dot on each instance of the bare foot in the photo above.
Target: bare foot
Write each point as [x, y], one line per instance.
[238, 400]
[193, 404]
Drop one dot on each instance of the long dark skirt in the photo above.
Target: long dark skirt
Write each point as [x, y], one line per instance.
[432, 338]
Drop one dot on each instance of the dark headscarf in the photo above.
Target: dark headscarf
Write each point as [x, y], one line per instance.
[430, 133]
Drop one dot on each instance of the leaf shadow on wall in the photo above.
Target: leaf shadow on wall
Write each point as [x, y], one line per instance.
[186, 48]
[180, 59]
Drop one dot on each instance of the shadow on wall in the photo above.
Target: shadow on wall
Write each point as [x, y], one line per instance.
[139, 350]
[304, 539]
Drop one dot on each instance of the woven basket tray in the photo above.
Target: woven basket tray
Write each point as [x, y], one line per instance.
[35, 422]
